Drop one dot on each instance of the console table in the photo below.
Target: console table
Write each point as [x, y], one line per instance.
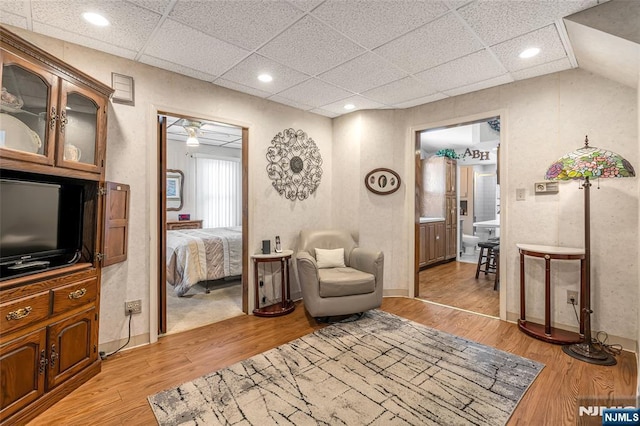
[546, 332]
[286, 305]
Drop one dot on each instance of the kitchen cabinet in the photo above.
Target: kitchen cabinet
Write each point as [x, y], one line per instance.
[432, 243]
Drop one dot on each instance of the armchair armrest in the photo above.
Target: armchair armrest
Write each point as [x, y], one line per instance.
[368, 261]
[307, 268]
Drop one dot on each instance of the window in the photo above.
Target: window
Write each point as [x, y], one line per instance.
[219, 192]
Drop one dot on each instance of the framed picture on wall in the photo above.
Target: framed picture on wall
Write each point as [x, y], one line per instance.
[173, 188]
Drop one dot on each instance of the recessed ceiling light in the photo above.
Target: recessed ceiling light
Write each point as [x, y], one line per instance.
[95, 19]
[265, 78]
[349, 106]
[529, 53]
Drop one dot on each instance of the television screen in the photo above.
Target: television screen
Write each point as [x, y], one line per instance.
[38, 221]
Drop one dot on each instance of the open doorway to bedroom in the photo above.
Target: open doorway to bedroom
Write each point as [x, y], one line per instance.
[201, 210]
[458, 200]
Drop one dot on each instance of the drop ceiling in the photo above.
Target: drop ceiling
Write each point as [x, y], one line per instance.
[209, 133]
[323, 54]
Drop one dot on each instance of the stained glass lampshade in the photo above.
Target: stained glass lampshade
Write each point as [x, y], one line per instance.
[585, 164]
[590, 162]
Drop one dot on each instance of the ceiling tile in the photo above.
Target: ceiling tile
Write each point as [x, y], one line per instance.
[247, 71]
[9, 18]
[503, 79]
[130, 26]
[547, 39]
[421, 101]
[458, 72]
[433, 44]
[83, 41]
[245, 23]
[159, 6]
[548, 68]
[177, 68]
[241, 88]
[358, 101]
[497, 21]
[289, 102]
[399, 91]
[315, 93]
[306, 5]
[14, 7]
[374, 23]
[363, 73]
[310, 47]
[193, 49]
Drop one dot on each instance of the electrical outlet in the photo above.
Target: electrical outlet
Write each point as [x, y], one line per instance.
[520, 194]
[135, 306]
[572, 297]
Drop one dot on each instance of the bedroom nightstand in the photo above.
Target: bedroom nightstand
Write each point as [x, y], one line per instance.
[285, 306]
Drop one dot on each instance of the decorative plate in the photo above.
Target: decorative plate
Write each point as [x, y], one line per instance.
[17, 135]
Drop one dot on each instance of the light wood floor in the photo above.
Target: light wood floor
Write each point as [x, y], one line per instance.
[454, 284]
[118, 394]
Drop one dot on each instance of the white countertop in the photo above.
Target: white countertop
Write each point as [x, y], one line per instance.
[495, 223]
[431, 219]
[550, 249]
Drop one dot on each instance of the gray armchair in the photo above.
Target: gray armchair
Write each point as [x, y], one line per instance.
[339, 290]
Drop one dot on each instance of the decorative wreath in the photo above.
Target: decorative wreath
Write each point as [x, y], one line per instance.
[294, 164]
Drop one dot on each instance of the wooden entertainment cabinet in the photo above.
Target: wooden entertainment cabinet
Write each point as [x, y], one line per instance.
[54, 120]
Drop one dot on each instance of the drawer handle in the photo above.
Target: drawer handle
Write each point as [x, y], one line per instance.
[19, 314]
[77, 294]
[54, 357]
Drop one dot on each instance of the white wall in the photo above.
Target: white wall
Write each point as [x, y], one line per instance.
[544, 118]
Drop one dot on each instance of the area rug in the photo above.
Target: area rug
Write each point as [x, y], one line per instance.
[378, 370]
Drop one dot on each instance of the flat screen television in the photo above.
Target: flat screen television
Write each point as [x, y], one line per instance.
[40, 226]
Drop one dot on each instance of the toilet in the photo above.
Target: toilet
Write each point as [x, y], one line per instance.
[469, 243]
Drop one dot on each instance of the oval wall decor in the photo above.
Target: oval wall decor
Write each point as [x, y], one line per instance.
[294, 164]
[382, 181]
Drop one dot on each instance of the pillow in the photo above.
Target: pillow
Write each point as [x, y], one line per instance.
[330, 258]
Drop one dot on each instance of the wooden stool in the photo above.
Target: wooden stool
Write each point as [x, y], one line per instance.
[496, 259]
[486, 260]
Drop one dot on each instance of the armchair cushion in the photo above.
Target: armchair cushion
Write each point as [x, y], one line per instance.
[330, 258]
[336, 282]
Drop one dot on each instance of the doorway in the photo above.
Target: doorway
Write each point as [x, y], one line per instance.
[202, 222]
[462, 205]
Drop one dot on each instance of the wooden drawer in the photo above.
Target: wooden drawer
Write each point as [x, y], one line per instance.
[74, 295]
[22, 312]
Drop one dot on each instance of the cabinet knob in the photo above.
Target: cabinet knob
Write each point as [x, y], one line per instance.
[52, 118]
[19, 313]
[63, 120]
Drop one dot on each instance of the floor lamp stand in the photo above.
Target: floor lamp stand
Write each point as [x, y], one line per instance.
[586, 350]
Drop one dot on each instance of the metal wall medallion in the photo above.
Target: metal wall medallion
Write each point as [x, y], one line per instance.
[294, 164]
[382, 181]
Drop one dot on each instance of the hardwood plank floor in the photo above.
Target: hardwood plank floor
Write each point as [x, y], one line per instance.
[118, 394]
[454, 284]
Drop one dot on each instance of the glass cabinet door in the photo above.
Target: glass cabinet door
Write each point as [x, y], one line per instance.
[82, 121]
[27, 111]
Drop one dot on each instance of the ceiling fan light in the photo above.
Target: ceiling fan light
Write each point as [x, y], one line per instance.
[192, 141]
[95, 19]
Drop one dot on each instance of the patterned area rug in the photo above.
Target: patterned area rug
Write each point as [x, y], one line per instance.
[379, 370]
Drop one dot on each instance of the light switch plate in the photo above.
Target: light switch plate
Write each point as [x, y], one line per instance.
[520, 194]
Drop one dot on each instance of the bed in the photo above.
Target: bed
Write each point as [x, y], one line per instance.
[199, 255]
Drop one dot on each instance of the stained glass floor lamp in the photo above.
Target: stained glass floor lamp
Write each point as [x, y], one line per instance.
[585, 164]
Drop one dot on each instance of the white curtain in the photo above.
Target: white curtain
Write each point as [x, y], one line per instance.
[218, 192]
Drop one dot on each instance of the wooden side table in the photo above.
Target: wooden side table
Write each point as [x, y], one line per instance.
[546, 332]
[286, 305]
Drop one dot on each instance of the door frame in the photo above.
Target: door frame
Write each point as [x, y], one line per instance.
[501, 170]
[157, 300]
